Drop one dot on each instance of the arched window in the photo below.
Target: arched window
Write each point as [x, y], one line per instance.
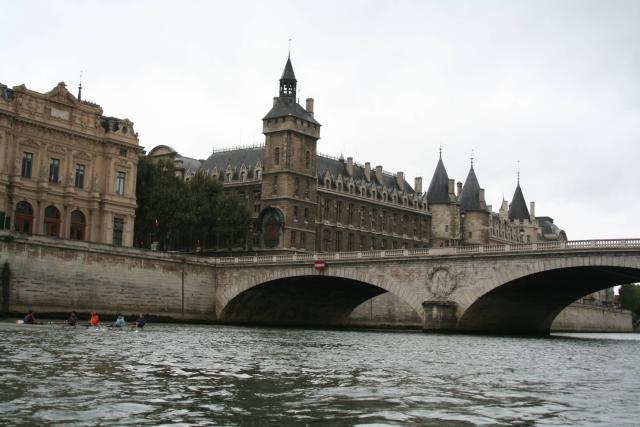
[78, 224]
[307, 160]
[51, 221]
[276, 156]
[24, 218]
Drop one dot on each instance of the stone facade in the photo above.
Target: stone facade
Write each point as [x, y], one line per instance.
[303, 201]
[66, 170]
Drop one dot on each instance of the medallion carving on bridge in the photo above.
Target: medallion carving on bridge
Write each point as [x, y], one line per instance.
[442, 283]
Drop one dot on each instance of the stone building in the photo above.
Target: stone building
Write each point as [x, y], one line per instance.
[305, 201]
[66, 170]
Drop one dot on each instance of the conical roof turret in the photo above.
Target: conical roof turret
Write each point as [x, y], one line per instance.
[470, 196]
[438, 191]
[287, 73]
[518, 207]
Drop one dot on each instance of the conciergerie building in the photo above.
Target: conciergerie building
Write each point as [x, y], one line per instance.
[303, 201]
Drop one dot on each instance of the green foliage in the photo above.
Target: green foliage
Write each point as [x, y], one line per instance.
[188, 214]
[630, 297]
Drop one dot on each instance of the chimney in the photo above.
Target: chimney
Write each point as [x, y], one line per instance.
[532, 210]
[417, 186]
[481, 195]
[490, 208]
[349, 162]
[310, 106]
[379, 174]
[452, 184]
[459, 188]
[275, 101]
[367, 171]
[400, 180]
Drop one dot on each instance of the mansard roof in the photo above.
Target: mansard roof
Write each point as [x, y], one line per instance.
[470, 196]
[235, 158]
[286, 106]
[438, 191]
[518, 207]
[336, 167]
[190, 164]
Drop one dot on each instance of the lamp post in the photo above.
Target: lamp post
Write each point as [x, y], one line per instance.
[462, 215]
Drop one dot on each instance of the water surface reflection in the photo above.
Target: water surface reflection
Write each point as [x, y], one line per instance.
[217, 375]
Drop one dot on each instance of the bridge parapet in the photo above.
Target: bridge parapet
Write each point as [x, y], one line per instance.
[575, 245]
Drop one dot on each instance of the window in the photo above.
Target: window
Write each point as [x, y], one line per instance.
[338, 241]
[78, 223]
[123, 152]
[120, 177]
[470, 234]
[275, 185]
[276, 156]
[307, 160]
[295, 213]
[27, 163]
[296, 186]
[24, 217]
[303, 240]
[350, 213]
[306, 214]
[118, 230]
[351, 242]
[54, 170]
[293, 238]
[327, 207]
[373, 243]
[338, 211]
[52, 221]
[79, 177]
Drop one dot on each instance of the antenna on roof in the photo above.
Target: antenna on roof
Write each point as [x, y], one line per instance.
[80, 87]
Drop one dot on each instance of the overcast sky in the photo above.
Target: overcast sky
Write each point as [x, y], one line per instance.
[553, 84]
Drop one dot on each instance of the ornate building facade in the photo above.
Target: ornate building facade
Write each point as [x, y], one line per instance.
[305, 201]
[66, 170]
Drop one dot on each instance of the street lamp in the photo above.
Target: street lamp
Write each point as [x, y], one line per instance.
[462, 215]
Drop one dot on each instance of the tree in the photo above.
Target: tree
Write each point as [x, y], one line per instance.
[184, 214]
[630, 297]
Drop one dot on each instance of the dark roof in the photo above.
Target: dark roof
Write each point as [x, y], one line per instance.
[287, 73]
[470, 196]
[235, 158]
[336, 167]
[287, 106]
[438, 191]
[189, 164]
[518, 207]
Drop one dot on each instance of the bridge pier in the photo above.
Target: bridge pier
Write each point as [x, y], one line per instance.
[439, 316]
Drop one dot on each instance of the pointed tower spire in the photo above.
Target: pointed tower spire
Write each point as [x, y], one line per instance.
[288, 81]
[438, 191]
[470, 196]
[80, 87]
[518, 207]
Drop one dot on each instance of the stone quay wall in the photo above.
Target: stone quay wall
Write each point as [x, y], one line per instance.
[389, 311]
[55, 276]
[590, 318]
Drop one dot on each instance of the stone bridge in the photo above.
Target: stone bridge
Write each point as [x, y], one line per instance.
[497, 289]
[494, 289]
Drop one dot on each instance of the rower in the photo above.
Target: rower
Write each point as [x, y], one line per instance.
[119, 323]
[95, 319]
[73, 319]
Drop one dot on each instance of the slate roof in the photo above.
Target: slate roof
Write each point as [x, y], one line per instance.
[518, 207]
[324, 164]
[235, 158]
[287, 106]
[287, 73]
[438, 191]
[189, 164]
[470, 196]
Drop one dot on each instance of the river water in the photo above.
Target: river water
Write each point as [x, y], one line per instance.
[226, 376]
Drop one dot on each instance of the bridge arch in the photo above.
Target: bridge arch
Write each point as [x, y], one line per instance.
[527, 297]
[297, 296]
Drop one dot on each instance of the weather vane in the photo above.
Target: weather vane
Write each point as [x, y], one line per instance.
[472, 157]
